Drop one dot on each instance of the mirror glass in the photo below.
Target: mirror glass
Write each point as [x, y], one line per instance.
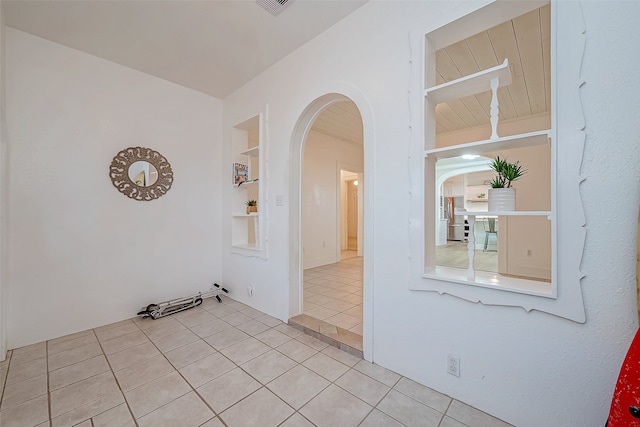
[143, 173]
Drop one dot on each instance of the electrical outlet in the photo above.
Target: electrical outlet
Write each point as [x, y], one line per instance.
[250, 290]
[529, 252]
[453, 365]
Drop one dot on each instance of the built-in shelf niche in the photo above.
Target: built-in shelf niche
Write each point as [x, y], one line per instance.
[246, 228]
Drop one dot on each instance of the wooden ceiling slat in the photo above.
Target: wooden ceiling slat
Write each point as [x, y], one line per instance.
[446, 67]
[482, 50]
[453, 117]
[527, 30]
[475, 108]
[444, 122]
[461, 56]
[461, 110]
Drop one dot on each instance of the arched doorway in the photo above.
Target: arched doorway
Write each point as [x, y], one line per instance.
[296, 254]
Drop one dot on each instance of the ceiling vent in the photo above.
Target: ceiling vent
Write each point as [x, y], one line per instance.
[274, 7]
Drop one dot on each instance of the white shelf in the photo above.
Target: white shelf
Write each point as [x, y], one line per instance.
[244, 215]
[246, 184]
[471, 84]
[252, 152]
[504, 213]
[252, 247]
[530, 139]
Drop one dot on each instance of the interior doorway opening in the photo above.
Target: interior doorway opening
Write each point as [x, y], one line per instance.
[330, 291]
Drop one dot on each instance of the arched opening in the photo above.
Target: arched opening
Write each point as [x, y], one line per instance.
[343, 175]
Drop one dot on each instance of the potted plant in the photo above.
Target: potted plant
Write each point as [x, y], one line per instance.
[502, 196]
[252, 206]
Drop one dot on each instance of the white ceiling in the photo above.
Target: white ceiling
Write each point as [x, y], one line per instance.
[212, 46]
[216, 46]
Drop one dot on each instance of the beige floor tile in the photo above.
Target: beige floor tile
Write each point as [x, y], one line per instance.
[268, 366]
[325, 366]
[145, 323]
[251, 312]
[220, 310]
[236, 318]
[252, 327]
[288, 330]
[296, 420]
[355, 312]
[69, 342]
[363, 387]
[165, 326]
[30, 413]
[245, 350]
[188, 410]
[27, 370]
[143, 373]
[473, 417]
[27, 356]
[41, 346]
[341, 356]
[380, 419]
[268, 320]
[132, 356]
[261, 408]
[312, 342]
[298, 385]
[178, 339]
[124, 342]
[333, 407]
[273, 338]
[408, 411]
[186, 355]
[450, 422]
[77, 372]
[74, 355]
[228, 389]
[85, 423]
[211, 327]
[153, 395]
[206, 369]
[352, 299]
[377, 372]
[296, 350]
[226, 338]
[101, 329]
[343, 320]
[76, 395]
[320, 312]
[117, 331]
[193, 318]
[429, 397]
[357, 329]
[114, 417]
[213, 423]
[88, 410]
[15, 394]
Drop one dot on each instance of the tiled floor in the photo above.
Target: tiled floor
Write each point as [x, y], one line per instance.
[333, 293]
[215, 365]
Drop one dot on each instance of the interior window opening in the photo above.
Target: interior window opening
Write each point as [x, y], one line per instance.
[488, 97]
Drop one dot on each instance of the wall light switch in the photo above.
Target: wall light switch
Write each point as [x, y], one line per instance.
[279, 200]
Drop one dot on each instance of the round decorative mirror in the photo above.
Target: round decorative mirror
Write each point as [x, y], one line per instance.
[141, 173]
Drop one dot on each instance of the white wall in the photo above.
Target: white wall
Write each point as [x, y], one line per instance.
[528, 368]
[80, 253]
[323, 156]
[4, 174]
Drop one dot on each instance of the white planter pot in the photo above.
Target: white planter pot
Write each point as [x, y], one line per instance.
[502, 199]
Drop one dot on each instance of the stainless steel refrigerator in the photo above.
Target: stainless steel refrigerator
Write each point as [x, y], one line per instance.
[455, 229]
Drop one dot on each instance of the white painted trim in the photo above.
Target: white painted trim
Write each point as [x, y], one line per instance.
[336, 92]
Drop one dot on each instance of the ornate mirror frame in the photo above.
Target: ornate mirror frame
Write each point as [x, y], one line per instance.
[119, 173]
